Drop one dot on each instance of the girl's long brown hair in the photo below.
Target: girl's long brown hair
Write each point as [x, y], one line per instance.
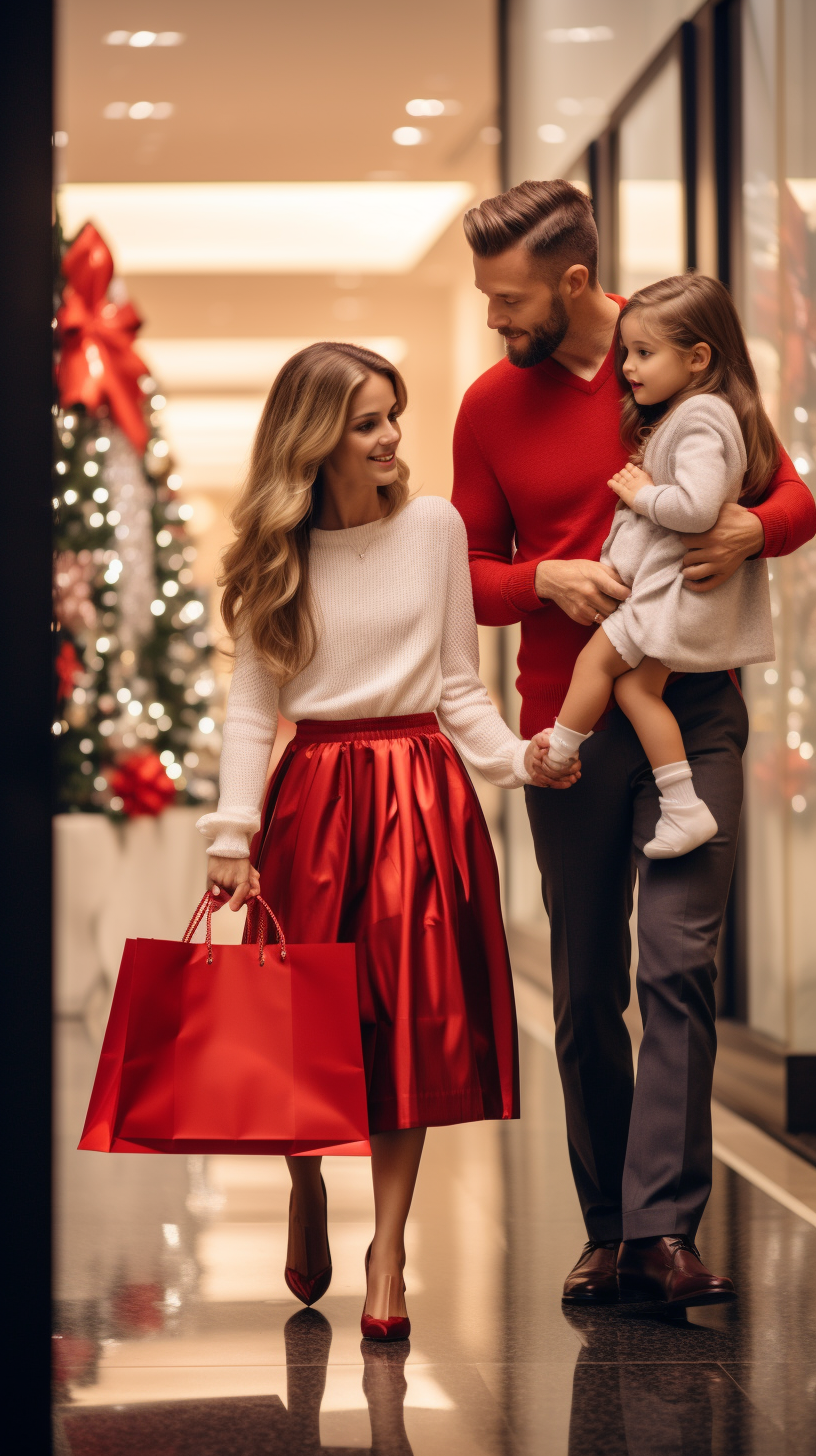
[689, 310]
[266, 569]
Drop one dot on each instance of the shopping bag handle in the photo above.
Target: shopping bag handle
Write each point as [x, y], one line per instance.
[208, 903]
[259, 900]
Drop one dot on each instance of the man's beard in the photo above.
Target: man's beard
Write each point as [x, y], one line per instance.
[544, 338]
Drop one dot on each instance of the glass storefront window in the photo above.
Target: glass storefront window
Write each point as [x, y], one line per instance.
[651, 227]
[779, 281]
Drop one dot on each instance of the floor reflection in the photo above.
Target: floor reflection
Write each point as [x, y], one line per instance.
[175, 1334]
[247, 1426]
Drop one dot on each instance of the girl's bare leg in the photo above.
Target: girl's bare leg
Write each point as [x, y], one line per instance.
[640, 695]
[308, 1250]
[395, 1158]
[598, 668]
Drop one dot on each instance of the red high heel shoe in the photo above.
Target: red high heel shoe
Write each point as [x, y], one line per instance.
[309, 1290]
[395, 1327]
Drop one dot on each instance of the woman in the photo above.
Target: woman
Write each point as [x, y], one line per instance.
[351, 611]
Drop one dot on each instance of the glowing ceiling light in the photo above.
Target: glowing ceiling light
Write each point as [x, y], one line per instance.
[140, 110]
[552, 133]
[425, 107]
[410, 136]
[141, 38]
[117, 37]
[245, 364]
[266, 227]
[580, 34]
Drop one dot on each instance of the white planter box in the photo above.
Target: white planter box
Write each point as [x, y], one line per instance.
[143, 878]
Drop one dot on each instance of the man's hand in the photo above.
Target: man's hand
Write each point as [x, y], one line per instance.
[627, 482]
[234, 877]
[713, 556]
[585, 590]
[546, 775]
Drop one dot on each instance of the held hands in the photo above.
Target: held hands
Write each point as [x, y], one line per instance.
[627, 482]
[546, 775]
[586, 591]
[713, 556]
[235, 877]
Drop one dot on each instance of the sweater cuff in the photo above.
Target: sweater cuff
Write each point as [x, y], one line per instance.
[518, 762]
[775, 526]
[518, 587]
[645, 502]
[231, 838]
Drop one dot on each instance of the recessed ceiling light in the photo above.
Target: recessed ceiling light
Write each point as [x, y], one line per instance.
[423, 107]
[139, 111]
[410, 136]
[141, 39]
[427, 106]
[580, 34]
[60, 138]
[552, 133]
[266, 227]
[590, 106]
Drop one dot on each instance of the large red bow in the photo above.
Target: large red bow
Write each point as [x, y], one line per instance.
[98, 364]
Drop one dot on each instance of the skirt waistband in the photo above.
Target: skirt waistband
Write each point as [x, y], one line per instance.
[414, 725]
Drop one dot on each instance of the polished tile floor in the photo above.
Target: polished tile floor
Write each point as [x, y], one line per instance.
[176, 1336]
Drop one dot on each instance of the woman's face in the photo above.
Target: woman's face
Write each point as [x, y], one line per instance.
[367, 451]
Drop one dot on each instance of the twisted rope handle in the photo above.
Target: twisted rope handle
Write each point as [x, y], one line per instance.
[262, 927]
[205, 907]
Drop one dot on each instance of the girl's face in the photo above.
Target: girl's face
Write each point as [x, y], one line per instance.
[654, 369]
[366, 454]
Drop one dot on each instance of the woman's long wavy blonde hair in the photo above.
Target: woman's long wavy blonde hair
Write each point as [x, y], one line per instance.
[688, 310]
[266, 569]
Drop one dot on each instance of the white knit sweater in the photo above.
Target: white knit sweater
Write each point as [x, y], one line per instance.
[397, 635]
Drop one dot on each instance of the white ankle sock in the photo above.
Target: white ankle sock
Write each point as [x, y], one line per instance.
[675, 783]
[565, 742]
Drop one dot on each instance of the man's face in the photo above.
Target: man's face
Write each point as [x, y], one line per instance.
[528, 313]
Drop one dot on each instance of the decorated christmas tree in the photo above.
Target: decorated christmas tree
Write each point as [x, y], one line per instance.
[132, 723]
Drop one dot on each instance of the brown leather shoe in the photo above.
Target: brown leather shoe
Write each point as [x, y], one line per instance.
[594, 1280]
[670, 1270]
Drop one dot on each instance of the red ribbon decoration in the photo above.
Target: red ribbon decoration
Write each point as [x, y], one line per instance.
[141, 782]
[67, 665]
[98, 364]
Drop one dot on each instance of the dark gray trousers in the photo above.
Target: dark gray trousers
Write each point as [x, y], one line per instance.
[640, 1154]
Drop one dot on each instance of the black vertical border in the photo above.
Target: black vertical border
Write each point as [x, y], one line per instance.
[688, 82]
[503, 69]
[728, 141]
[26, 70]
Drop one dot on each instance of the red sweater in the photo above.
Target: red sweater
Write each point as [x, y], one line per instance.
[532, 452]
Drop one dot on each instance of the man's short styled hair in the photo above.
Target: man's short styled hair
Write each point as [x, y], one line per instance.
[552, 219]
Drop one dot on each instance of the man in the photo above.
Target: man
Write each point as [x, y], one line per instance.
[536, 440]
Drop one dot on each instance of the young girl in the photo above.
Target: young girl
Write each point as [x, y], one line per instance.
[352, 614]
[699, 435]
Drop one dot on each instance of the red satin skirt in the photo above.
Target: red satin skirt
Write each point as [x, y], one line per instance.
[372, 833]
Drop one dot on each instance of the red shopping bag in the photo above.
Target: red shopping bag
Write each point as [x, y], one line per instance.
[250, 1048]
